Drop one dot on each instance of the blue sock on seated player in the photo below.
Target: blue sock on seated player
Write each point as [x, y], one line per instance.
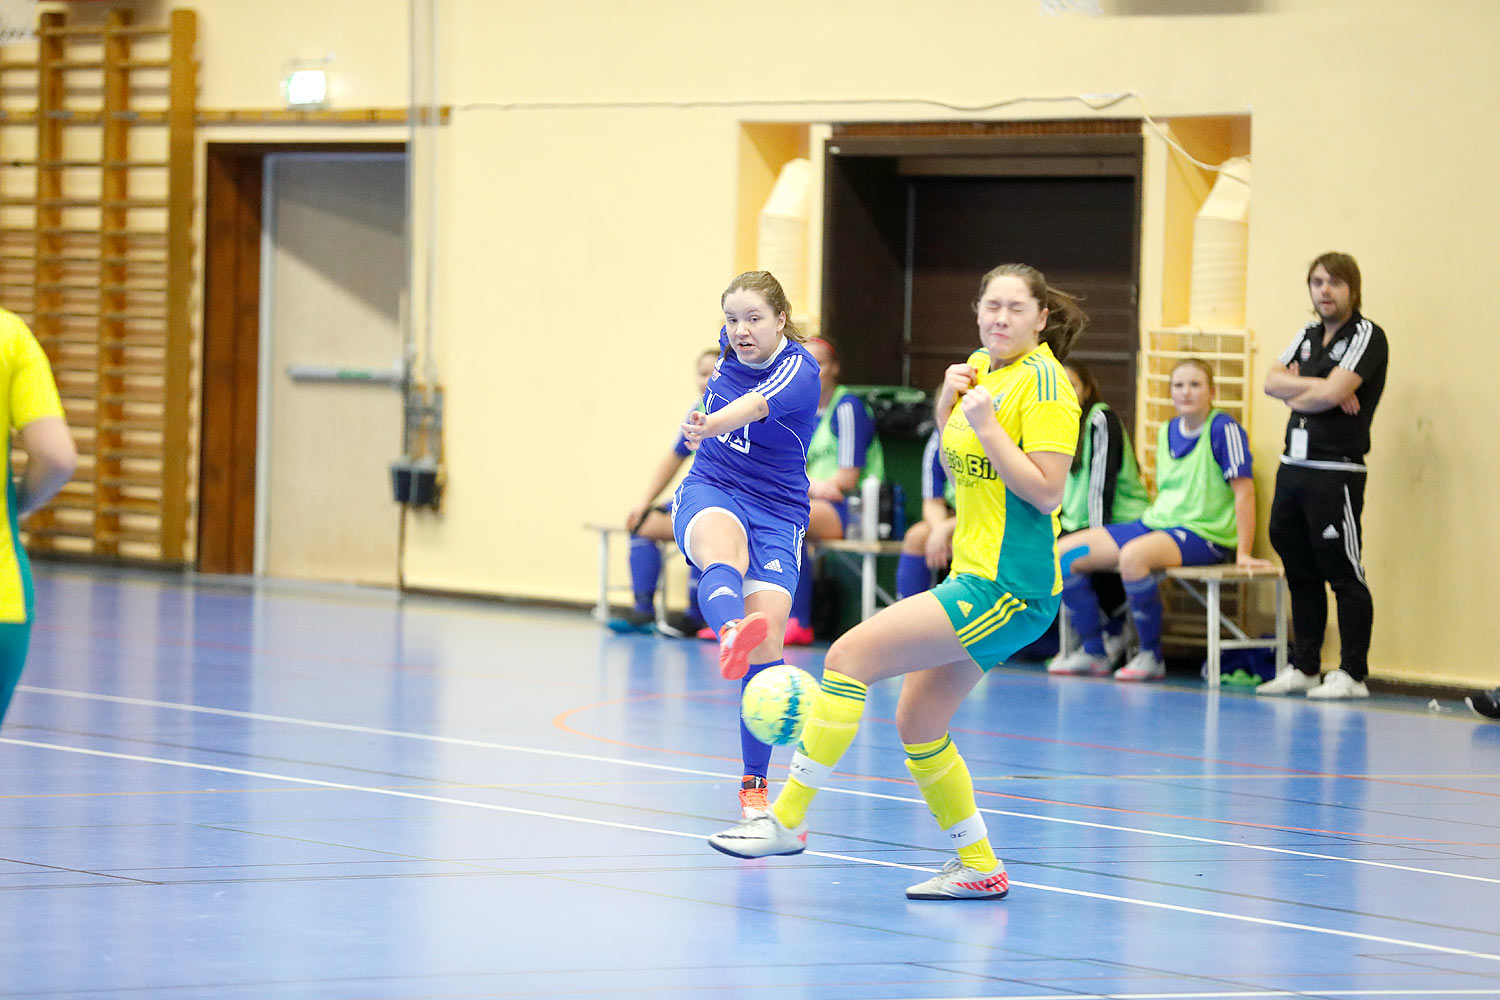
[645, 572]
[1145, 609]
[694, 577]
[1083, 611]
[721, 595]
[912, 575]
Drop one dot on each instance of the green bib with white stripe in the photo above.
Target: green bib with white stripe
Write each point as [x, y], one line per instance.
[1191, 491]
[823, 449]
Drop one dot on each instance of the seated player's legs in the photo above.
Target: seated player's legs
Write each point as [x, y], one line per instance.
[1083, 553]
[1140, 561]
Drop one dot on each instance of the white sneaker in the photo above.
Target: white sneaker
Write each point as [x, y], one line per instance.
[1337, 684]
[1289, 681]
[1080, 661]
[956, 880]
[1144, 666]
[760, 837]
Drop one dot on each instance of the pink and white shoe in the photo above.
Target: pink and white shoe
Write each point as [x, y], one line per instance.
[737, 640]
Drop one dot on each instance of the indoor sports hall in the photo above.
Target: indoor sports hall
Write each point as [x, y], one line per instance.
[373, 324]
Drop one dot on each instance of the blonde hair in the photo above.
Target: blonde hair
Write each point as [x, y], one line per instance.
[764, 284]
[1065, 317]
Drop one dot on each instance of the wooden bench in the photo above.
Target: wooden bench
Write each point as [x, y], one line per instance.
[1205, 585]
[871, 594]
[1212, 580]
[606, 588]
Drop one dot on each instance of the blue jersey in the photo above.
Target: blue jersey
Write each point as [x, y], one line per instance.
[764, 463]
[935, 482]
[1230, 445]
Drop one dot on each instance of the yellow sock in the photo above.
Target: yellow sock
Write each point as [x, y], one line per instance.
[830, 729]
[944, 779]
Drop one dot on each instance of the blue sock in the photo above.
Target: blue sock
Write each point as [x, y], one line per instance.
[721, 595]
[912, 575]
[1083, 611]
[645, 572]
[802, 597]
[757, 755]
[1145, 608]
[694, 575]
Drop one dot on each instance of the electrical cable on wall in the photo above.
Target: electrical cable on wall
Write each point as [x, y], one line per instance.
[1094, 102]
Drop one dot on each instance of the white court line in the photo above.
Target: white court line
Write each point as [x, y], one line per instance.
[492, 807]
[487, 745]
[1231, 994]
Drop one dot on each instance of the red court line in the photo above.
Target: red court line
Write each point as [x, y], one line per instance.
[561, 722]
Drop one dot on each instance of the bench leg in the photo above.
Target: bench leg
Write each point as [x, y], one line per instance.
[867, 586]
[1213, 634]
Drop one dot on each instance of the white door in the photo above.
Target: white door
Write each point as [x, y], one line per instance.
[333, 272]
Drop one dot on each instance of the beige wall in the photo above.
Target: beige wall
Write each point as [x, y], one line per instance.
[582, 249]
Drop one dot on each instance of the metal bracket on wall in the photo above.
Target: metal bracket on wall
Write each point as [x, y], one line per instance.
[333, 373]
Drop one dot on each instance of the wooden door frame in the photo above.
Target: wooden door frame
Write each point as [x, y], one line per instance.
[228, 438]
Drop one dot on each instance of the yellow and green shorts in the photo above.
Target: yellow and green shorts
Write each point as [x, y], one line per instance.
[991, 622]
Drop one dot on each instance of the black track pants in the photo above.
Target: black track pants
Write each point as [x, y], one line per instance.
[1315, 529]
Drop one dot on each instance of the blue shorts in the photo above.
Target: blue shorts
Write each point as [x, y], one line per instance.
[775, 543]
[1195, 549]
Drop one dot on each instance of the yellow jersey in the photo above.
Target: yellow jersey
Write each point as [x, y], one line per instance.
[27, 393]
[1000, 536]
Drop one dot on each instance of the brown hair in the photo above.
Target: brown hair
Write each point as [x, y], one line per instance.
[1091, 395]
[1065, 318]
[764, 284]
[1343, 267]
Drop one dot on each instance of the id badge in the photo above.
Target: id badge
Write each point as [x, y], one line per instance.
[1297, 445]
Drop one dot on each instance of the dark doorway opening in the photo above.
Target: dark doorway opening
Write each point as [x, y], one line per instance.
[912, 222]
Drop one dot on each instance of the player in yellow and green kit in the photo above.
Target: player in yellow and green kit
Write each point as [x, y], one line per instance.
[29, 397]
[1010, 424]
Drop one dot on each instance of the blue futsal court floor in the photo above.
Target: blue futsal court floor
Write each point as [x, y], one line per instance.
[217, 791]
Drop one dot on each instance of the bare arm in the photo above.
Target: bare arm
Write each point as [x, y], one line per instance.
[1337, 390]
[834, 487]
[1308, 394]
[749, 408]
[51, 458]
[1037, 477]
[1244, 518]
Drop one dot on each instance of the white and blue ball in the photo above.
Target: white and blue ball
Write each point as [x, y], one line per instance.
[777, 702]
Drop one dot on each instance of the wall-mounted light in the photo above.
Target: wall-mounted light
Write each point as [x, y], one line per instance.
[305, 86]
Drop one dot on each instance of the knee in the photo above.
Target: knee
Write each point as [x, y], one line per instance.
[1134, 563]
[844, 658]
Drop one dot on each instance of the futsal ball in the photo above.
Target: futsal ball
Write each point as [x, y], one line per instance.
[776, 704]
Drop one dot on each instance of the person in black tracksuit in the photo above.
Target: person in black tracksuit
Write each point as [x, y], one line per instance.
[1331, 377]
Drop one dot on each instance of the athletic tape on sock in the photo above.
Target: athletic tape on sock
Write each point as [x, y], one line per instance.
[808, 772]
[967, 831]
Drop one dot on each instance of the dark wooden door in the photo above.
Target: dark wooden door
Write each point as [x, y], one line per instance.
[912, 221]
[1079, 231]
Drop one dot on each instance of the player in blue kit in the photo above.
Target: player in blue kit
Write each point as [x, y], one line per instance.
[741, 513]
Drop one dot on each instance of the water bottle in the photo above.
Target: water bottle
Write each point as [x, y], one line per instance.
[855, 528]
